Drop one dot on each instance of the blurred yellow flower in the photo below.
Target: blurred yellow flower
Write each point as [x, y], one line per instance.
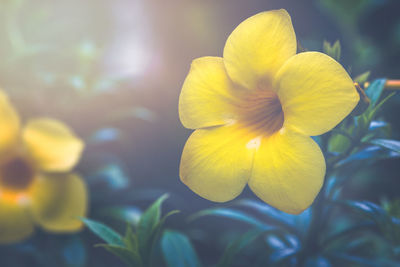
[254, 110]
[35, 184]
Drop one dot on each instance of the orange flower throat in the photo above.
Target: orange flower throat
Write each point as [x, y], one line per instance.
[262, 112]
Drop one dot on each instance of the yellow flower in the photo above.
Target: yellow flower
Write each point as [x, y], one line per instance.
[254, 111]
[35, 184]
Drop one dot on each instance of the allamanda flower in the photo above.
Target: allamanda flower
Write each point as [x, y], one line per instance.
[254, 111]
[35, 184]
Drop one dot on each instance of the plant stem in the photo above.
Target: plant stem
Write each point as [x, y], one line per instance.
[392, 85]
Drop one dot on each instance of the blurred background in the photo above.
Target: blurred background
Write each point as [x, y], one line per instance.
[113, 71]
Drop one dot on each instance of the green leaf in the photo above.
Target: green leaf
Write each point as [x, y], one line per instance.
[341, 139]
[149, 228]
[159, 226]
[131, 240]
[104, 232]
[178, 250]
[334, 50]
[237, 245]
[148, 221]
[156, 234]
[362, 78]
[131, 258]
[386, 143]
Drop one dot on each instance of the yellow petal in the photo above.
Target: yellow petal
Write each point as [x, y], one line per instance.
[9, 123]
[216, 162]
[288, 171]
[15, 220]
[52, 145]
[258, 47]
[206, 94]
[59, 201]
[316, 93]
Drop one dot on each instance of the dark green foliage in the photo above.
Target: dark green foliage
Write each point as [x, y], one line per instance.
[392, 145]
[135, 248]
[333, 50]
[237, 245]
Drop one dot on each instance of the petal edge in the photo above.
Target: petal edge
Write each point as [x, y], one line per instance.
[316, 93]
[206, 93]
[59, 201]
[258, 47]
[52, 145]
[216, 163]
[288, 171]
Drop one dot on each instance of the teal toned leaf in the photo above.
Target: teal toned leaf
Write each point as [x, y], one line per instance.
[281, 255]
[178, 251]
[131, 258]
[386, 143]
[371, 211]
[74, 252]
[349, 231]
[374, 91]
[237, 245]
[377, 125]
[318, 261]
[371, 113]
[364, 121]
[369, 153]
[231, 214]
[350, 259]
[292, 222]
[284, 247]
[104, 232]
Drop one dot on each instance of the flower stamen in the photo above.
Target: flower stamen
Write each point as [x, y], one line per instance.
[262, 112]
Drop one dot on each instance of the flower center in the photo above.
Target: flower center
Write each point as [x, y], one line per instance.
[16, 174]
[262, 112]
